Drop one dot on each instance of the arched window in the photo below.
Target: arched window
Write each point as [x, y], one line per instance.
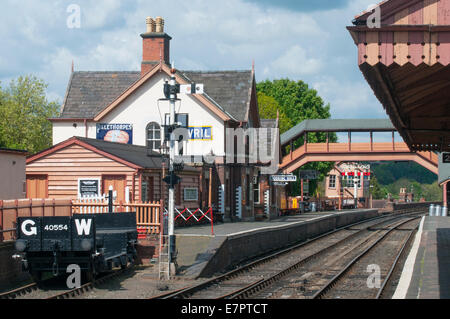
[154, 136]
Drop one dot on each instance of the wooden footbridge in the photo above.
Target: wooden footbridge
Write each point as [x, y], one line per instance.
[294, 158]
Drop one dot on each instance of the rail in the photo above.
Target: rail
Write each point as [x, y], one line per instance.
[332, 282]
[187, 292]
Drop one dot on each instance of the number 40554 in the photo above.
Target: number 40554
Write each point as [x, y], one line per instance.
[55, 227]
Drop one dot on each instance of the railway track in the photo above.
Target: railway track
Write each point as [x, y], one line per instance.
[22, 291]
[250, 279]
[51, 290]
[352, 282]
[76, 292]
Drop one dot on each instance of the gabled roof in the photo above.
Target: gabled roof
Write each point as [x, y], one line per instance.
[137, 157]
[230, 89]
[134, 156]
[90, 92]
[92, 95]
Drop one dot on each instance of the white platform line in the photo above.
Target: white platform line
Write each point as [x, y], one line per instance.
[405, 279]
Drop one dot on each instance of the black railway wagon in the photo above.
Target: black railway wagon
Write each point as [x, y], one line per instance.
[94, 242]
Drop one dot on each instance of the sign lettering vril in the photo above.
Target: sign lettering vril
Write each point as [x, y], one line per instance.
[200, 133]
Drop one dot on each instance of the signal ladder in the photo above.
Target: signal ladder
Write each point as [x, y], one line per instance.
[164, 256]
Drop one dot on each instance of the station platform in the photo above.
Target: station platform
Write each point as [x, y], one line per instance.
[200, 254]
[426, 274]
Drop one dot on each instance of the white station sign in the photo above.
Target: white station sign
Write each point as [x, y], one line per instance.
[283, 178]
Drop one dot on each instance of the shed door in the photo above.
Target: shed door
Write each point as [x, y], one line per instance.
[37, 186]
[118, 183]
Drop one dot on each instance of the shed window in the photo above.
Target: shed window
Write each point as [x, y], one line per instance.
[191, 194]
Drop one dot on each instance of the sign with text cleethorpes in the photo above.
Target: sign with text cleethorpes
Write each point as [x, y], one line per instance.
[119, 133]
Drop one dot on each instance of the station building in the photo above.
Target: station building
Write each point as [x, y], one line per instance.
[340, 184]
[108, 118]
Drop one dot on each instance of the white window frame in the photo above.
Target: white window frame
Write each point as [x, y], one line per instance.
[329, 181]
[257, 187]
[152, 142]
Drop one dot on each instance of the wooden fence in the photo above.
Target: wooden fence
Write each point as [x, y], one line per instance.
[148, 215]
[10, 210]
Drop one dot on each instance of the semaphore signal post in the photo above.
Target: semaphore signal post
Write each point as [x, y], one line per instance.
[171, 89]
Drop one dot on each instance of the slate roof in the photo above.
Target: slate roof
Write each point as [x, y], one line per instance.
[88, 93]
[230, 89]
[138, 155]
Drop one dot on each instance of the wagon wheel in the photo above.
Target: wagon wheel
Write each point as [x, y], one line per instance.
[89, 275]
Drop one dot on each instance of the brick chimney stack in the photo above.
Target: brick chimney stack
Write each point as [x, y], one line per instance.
[156, 44]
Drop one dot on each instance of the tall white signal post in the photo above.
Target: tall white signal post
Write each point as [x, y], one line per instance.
[171, 89]
[173, 98]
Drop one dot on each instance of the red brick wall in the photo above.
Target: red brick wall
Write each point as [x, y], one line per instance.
[147, 249]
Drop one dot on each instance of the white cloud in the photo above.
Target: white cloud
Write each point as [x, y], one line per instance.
[295, 62]
[97, 14]
[207, 35]
[349, 100]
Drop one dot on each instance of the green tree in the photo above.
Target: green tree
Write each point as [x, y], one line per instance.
[378, 191]
[295, 99]
[269, 109]
[24, 113]
[432, 192]
[298, 103]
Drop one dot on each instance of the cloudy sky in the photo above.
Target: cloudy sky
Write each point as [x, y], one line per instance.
[296, 39]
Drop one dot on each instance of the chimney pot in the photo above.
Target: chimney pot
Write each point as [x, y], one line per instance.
[159, 25]
[156, 44]
[151, 26]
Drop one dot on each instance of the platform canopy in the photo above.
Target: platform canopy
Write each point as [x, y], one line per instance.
[406, 61]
